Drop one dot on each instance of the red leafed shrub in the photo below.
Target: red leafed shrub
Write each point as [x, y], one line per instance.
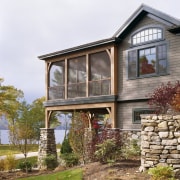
[103, 136]
[162, 97]
[176, 100]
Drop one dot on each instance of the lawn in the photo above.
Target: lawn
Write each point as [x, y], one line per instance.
[75, 174]
[6, 149]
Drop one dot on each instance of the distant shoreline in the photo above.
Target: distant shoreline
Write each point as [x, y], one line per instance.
[4, 136]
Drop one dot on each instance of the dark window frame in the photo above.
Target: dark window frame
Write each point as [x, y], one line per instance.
[140, 111]
[148, 27]
[162, 67]
[136, 64]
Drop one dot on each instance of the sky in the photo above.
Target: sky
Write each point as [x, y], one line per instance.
[30, 28]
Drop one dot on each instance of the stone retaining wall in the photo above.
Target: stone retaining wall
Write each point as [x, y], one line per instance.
[160, 141]
[129, 135]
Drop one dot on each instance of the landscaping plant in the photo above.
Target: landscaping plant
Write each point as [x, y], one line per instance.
[50, 161]
[161, 173]
[106, 146]
[105, 150]
[67, 154]
[130, 149]
[25, 166]
[10, 162]
[76, 134]
[163, 96]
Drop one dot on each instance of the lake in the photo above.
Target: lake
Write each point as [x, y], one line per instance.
[4, 136]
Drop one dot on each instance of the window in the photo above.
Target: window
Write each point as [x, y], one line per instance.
[148, 34]
[137, 114]
[81, 76]
[150, 59]
[100, 74]
[56, 80]
[77, 77]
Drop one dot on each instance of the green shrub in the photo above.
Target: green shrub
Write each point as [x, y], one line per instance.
[161, 173]
[2, 165]
[106, 151]
[70, 159]
[130, 150]
[66, 147]
[50, 161]
[10, 162]
[25, 166]
[32, 160]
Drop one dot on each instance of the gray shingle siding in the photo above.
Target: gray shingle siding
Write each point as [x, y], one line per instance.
[139, 88]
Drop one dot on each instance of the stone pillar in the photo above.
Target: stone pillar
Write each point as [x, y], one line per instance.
[47, 146]
[88, 135]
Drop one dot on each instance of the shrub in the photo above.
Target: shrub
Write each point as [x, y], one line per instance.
[79, 123]
[10, 162]
[2, 165]
[66, 147]
[162, 97]
[25, 166]
[32, 160]
[130, 149]
[105, 150]
[70, 159]
[104, 139]
[50, 161]
[176, 100]
[161, 173]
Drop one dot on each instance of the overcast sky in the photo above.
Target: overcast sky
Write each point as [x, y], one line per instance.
[30, 28]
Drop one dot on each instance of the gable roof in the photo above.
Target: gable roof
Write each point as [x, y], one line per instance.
[143, 10]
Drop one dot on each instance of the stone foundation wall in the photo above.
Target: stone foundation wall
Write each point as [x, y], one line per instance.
[130, 135]
[47, 146]
[160, 141]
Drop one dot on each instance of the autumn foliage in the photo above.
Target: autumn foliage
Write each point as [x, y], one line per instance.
[176, 100]
[166, 96]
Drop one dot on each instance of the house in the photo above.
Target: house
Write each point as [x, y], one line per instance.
[113, 76]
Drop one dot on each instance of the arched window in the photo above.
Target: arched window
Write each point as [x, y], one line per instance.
[147, 35]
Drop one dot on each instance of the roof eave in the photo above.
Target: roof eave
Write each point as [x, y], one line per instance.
[175, 30]
[78, 48]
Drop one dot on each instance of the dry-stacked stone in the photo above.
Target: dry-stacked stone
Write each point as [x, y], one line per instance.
[160, 141]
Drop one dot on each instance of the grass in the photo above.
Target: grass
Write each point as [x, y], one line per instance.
[75, 174]
[5, 149]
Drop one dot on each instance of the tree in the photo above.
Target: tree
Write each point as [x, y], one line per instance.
[37, 116]
[9, 100]
[79, 123]
[162, 97]
[21, 131]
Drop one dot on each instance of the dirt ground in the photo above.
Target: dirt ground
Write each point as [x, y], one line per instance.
[122, 170]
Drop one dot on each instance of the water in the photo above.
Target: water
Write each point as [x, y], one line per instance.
[4, 136]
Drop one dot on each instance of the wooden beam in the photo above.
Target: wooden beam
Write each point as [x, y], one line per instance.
[66, 79]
